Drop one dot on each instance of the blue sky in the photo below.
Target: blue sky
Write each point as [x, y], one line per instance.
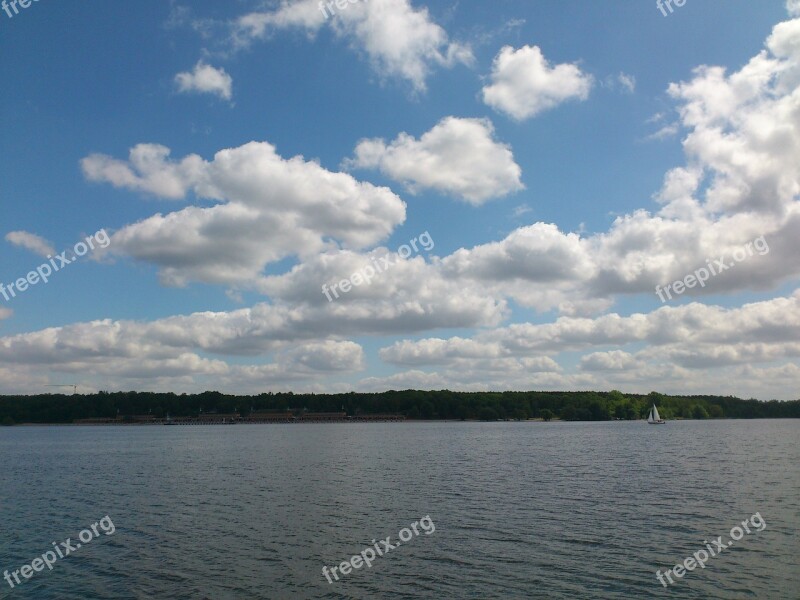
[241, 155]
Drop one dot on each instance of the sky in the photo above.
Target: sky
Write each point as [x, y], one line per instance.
[258, 196]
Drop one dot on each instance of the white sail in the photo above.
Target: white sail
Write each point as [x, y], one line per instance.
[650, 416]
[656, 416]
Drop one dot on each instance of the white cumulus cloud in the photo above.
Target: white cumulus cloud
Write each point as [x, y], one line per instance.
[401, 41]
[31, 241]
[460, 157]
[207, 80]
[265, 208]
[524, 84]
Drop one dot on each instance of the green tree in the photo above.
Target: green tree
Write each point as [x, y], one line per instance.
[569, 413]
[487, 413]
[547, 414]
[599, 411]
[427, 409]
[520, 414]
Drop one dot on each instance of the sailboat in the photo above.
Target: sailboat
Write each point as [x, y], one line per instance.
[654, 418]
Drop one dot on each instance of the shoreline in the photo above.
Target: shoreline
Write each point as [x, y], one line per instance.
[365, 421]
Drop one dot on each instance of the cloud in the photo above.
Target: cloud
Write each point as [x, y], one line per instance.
[409, 380]
[266, 208]
[677, 342]
[622, 82]
[693, 327]
[458, 156]
[174, 351]
[534, 253]
[30, 241]
[153, 368]
[147, 170]
[743, 381]
[709, 208]
[740, 181]
[412, 295]
[615, 360]
[544, 268]
[726, 342]
[521, 210]
[741, 128]
[667, 131]
[524, 84]
[206, 79]
[409, 297]
[628, 82]
[399, 40]
[183, 16]
[328, 356]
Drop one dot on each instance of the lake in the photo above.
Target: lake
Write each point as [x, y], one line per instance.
[521, 510]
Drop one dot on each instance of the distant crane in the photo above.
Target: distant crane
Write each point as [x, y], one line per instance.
[72, 385]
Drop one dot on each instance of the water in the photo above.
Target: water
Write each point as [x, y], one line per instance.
[521, 510]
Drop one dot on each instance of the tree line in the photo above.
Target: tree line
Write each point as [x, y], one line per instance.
[413, 404]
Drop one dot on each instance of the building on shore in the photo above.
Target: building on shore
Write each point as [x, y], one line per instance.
[234, 418]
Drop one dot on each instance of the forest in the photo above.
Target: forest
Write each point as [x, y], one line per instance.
[412, 404]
